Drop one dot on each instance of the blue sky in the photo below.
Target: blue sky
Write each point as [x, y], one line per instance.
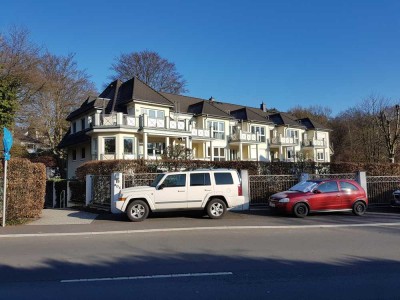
[285, 53]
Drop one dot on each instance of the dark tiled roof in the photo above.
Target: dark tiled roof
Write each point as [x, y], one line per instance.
[282, 119]
[90, 104]
[251, 114]
[133, 89]
[73, 139]
[311, 124]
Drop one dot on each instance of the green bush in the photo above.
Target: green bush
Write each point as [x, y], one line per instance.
[26, 188]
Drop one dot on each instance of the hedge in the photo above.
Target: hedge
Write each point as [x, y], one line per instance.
[26, 188]
[107, 167]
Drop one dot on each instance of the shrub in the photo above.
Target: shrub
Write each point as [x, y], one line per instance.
[26, 188]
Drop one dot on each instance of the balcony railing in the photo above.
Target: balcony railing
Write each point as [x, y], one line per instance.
[284, 140]
[142, 121]
[243, 136]
[202, 133]
[314, 143]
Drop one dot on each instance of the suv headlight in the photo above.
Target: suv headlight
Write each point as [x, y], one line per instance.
[284, 200]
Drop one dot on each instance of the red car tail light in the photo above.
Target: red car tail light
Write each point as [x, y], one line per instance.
[240, 192]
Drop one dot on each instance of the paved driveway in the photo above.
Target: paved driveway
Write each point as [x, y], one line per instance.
[64, 217]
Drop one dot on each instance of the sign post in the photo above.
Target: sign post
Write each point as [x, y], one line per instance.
[7, 143]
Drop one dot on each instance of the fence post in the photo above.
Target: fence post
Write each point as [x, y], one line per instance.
[361, 178]
[245, 189]
[89, 185]
[54, 195]
[68, 200]
[116, 186]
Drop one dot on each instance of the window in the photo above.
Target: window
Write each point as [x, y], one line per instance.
[200, 179]
[261, 132]
[83, 153]
[154, 149]
[175, 180]
[218, 129]
[320, 155]
[128, 145]
[153, 114]
[109, 145]
[83, 125]
[219, 153]
[347, 186]
[74, 154]
[74, 127]
[290, 153]
[328, 187]
[292, 133]
[223, 178]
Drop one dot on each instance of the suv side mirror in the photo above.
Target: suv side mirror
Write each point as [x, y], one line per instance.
[161, 186]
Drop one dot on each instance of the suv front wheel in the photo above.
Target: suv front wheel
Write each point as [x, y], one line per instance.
[216, 208]
[137, 211]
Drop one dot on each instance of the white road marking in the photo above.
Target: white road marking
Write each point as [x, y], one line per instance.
[147, 277]
[59, 234]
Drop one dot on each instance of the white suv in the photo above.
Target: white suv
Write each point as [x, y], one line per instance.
[209, 190]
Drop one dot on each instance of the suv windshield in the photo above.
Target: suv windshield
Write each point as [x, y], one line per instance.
[305, 186]
[157, 180]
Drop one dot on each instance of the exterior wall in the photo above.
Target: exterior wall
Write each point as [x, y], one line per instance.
[73, 164]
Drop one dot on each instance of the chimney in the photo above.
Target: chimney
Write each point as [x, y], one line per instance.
[263, 107]
[211, 99]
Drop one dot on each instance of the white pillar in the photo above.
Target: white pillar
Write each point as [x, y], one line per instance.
[187, 143]
[116, 186]
[361, 178]
[211, 151]
[166, 142]
[240, 151]
[145, 145]
[245, 189]
[88, 197]
[257, 152]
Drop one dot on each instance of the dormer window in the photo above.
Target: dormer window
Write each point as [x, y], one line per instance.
[83, 124]
[74, 127]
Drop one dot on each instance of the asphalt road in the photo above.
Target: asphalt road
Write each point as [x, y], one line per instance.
[283, 262]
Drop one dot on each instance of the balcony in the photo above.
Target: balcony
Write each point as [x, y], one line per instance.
[284, 141]
[201, 133]
[243, 136]
[314, 143]
[142, 121]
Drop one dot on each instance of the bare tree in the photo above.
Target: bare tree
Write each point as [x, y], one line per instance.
[64, 87]
[19, 59]
[389, 122]
[321, 114]
[152, 69]
[177, 151]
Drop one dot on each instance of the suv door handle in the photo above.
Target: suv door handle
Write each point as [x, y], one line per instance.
[207, 190]
[181, 191]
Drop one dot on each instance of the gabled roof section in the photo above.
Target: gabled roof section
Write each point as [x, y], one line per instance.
[282, 119]
[312, 124]
[134, 89]
[251, 114]
[207, 108]
[74, 139]
[89, 104]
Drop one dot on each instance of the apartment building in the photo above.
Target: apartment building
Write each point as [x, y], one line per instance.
[130, 120]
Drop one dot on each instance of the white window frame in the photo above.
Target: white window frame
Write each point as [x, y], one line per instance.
[260, 130]
[218, 129]
[133, 145]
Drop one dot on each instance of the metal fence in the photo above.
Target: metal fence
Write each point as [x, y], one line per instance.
[140, 179]
[380, 189]
[101, 190]
[261, 187]
[333, 176]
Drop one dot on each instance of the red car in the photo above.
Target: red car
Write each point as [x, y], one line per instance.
[321, 195]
